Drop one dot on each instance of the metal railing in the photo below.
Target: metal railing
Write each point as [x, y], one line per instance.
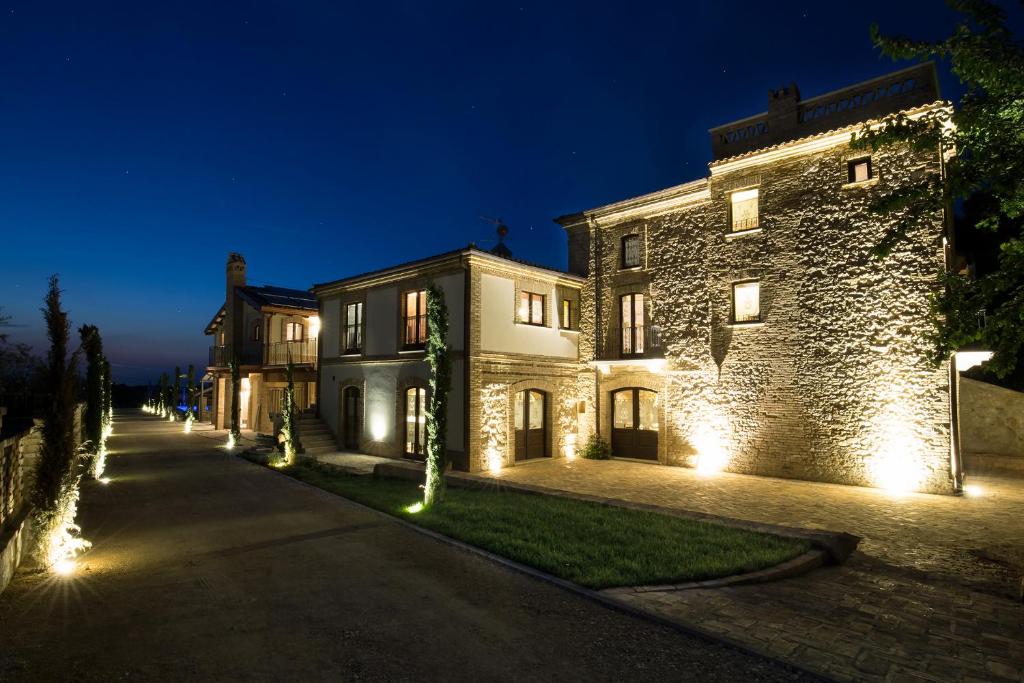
[637, 341]
[220, 356]
[298, 352]
[739, 224]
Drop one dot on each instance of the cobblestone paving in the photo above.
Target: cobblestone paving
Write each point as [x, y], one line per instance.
[930, 595]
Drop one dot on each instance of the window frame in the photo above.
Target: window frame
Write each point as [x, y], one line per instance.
[565, 319]
[420, 315]
[635, 330]
[632, 237]
[530, 299]
[733, 230]
[358, 326]
[852, 164]
[421, 401]
[732, 308]
[289, 334]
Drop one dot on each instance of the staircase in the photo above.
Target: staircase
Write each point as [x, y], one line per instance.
[315, 435]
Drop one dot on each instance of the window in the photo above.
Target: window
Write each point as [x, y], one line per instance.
[353, 333]
[257, 330]
[414, 319]
[566, 321]
[744, 209]
[746, 302]
[859, 170]
[415, 421]
[631, 251]
[293, 331]
[632, 316]
[531, 308]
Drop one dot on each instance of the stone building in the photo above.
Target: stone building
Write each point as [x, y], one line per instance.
[513, 334]
[739, 321]
[264, 328]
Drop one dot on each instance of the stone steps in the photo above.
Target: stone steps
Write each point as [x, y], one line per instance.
[315, 435]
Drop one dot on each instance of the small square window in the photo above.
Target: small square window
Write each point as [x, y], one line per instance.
[531, 308]
[631, 251]
[746, 302]
[744, 209]
[859, 170]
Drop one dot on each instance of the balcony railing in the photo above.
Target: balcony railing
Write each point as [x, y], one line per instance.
[637, 341]
[298, 352]
[220, 356]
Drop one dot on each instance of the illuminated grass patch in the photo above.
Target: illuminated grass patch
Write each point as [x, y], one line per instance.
[593, 545]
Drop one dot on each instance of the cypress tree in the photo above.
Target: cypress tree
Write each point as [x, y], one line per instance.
[440, 383]
[92, 345]
[236, 390]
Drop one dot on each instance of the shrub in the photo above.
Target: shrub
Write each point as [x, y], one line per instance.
[596, 449]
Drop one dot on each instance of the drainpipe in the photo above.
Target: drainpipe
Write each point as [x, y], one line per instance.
[598, 252]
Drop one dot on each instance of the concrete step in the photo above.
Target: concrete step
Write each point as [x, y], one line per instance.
[316, 450]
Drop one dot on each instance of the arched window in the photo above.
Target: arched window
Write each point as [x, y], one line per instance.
[257, 330]
[351, 401]
[531, 424]
[635, 423]
[415, 422]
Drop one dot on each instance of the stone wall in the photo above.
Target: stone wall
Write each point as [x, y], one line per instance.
[833, 384]
[991, 419]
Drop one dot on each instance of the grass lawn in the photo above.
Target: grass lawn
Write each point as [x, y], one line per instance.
[596, 546]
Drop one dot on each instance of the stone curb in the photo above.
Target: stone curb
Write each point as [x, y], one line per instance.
[601, 598]
[837, 546]
[789, 569]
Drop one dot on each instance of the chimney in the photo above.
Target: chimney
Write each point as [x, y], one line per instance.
[783, 108]
[235, 270]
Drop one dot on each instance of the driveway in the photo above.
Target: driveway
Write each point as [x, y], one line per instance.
[207, 567]
[931, 594]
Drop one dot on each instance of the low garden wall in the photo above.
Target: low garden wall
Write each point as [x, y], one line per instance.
[991, 426]
[19, 451]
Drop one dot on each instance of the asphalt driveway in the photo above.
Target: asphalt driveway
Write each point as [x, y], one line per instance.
[207, 567]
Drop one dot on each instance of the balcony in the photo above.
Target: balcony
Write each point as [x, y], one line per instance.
[298, 352]
[220, 356]
[638, 341]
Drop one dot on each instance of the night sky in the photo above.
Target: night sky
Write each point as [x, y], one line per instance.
[141, 141]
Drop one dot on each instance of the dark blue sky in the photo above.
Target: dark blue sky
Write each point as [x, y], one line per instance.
[141, 142]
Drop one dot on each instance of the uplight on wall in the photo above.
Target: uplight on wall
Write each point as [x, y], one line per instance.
[314, 326]
[712, 454]
[569, 450]
[378, 427]
[494, 462]
[896, 463]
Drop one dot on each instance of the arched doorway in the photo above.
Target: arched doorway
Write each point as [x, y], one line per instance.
[531, 424]
[351, 398]
[635, 423]
[415, 423]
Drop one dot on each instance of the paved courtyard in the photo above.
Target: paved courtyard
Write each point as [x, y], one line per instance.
[931, 594]
[206, 567]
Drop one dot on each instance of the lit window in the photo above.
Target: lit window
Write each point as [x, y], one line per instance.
[531, 308]
[859, 170]
[414, 319]
[633, 335]
[566, 314]
[746, 302]
[744, 209]
[257, 330]
[631, 251]
[293, 331]
[415, 421]
[354, 327]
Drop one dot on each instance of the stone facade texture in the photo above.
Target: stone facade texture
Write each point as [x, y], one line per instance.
[834, 383]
